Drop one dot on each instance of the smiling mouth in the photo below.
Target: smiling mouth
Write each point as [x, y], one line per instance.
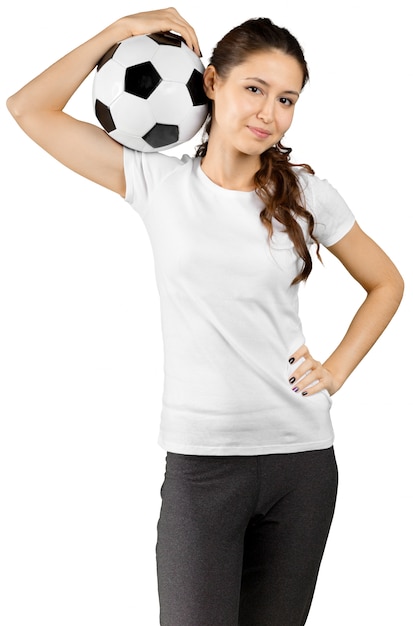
[261, 133]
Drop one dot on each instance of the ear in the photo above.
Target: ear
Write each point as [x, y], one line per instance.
[210, 80]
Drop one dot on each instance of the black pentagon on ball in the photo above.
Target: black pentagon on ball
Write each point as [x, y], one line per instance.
[141, 80]
[162, 135]
[167, 39]
[195, 86]
[104, 116]
[107, 56]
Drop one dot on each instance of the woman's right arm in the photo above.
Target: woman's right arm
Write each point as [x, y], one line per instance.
[83, 147]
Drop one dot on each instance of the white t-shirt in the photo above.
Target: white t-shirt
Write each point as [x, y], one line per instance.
[229, 313]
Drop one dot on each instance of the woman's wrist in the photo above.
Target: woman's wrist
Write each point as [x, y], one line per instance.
[126, 27]
[115, 32]
[121, 29]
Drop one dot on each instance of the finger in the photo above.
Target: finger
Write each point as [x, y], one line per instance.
[191, 40]
[183, 28]
[303, 362]
[313, 389]
[309, 373]
[307, 367]
[303, 381]
[302, 352]
[165, 20]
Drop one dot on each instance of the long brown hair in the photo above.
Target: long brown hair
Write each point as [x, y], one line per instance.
[276, 181]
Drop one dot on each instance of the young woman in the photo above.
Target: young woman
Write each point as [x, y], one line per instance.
[251, 478]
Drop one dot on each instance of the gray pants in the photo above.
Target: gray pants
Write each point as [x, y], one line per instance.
[240, 538]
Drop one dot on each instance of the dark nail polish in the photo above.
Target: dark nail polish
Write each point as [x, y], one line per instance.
[295, 389]
[305, 393]
[292, 380]
[291, 361]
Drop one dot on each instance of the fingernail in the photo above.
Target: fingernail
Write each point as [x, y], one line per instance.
[295, 389]
[292, 380]
[305, 393]
[291, 361]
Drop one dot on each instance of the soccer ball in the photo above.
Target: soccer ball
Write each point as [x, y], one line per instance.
[148, 92]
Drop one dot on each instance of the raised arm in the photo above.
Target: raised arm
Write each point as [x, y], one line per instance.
[83, 147]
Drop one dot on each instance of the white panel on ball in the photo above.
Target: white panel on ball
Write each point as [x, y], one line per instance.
[180, 103]
[136, 50]
[112, 81]
[173, 65]
[126, 139]
[128, 112]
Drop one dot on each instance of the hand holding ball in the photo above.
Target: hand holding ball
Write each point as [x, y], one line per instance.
[148, 92]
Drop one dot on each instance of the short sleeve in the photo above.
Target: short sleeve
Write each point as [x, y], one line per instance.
[134, 178]
[145, 173]
[332, 216]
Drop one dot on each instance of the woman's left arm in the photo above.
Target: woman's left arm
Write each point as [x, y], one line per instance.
[377, 274]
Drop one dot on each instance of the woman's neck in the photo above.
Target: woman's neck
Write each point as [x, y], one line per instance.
[230, 171]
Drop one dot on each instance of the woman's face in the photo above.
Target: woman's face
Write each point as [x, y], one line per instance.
[254, 105]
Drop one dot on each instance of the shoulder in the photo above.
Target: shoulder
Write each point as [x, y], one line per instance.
[146, 172]
[312, 185]
[154, 163]
[332, 216]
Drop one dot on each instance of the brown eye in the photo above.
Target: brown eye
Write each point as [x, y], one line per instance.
[254, 89]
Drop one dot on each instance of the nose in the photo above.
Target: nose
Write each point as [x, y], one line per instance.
[266, 113]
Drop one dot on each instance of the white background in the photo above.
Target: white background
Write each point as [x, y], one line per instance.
[80, 346]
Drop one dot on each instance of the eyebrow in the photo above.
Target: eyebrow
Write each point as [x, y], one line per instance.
[263, 82]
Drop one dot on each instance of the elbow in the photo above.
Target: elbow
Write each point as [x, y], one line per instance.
[395, 291]
[388, 293]
[13, 106]
[22, 112]
[18, 106]
[399, 288]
